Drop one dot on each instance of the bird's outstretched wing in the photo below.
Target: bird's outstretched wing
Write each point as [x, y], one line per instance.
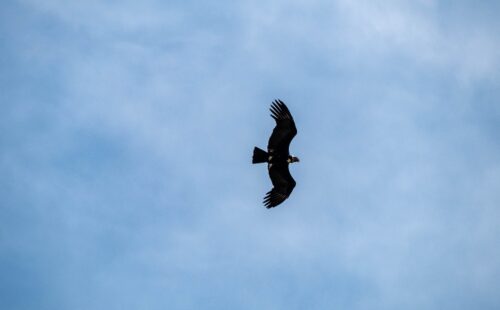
[285, 129]
[283, 185]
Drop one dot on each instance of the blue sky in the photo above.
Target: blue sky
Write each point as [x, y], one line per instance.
[126, 135]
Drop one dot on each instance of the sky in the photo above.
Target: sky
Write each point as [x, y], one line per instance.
[126, 135]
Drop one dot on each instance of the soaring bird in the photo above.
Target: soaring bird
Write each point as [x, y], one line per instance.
[278, 156]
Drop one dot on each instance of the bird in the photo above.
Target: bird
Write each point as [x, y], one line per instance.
[278, 155]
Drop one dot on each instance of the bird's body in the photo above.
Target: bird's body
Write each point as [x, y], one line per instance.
[278, 155]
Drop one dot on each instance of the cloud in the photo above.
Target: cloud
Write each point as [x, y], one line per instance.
[417, 30]
[128, 132]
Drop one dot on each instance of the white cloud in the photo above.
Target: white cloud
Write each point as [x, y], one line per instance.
[386, 186]
[420, 31]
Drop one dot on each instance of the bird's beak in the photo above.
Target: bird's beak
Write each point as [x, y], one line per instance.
[297, 159]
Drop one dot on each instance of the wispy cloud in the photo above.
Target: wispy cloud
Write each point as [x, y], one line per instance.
[127, 131]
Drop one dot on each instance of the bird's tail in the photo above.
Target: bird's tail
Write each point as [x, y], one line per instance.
[259, 156]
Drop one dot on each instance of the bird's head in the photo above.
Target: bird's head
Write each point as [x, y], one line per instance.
[293, 159]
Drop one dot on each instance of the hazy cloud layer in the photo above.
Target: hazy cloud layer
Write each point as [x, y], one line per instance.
[126, 137]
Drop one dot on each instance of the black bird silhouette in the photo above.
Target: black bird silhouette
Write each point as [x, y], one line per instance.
[278, 156]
